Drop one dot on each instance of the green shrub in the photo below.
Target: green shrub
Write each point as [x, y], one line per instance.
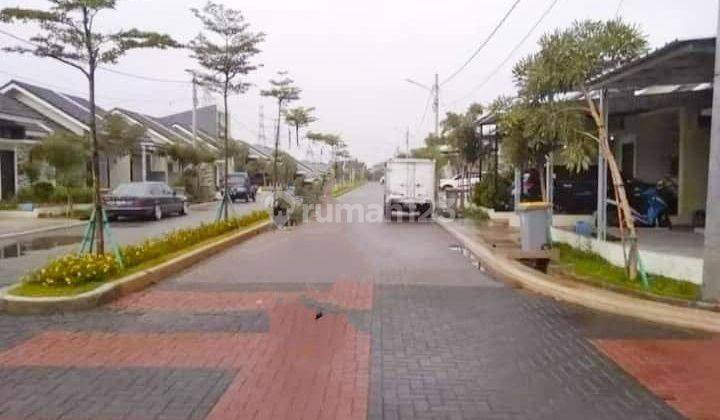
[42, 191]
[476, 214]
[25, 195]
[82, 195]
[8, 205]
[75, 270]
[486, 195]
[177, 240]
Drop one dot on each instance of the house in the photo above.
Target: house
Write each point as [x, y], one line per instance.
[659, 117]
[72, 113]
[21, 128]
[29, 112]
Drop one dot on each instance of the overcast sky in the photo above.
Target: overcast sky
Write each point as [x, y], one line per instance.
[351, 58]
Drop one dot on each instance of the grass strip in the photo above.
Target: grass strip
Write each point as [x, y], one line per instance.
[595, 269]
[343, 189]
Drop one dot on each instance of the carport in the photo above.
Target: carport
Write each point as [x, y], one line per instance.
[659, 109]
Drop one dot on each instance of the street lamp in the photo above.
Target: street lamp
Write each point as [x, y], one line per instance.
[435, 91]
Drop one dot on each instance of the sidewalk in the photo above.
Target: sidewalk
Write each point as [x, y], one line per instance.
[487, 244]
[681, 371]
[13, 227]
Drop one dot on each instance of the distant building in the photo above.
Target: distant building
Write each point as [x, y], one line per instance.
[210, 120]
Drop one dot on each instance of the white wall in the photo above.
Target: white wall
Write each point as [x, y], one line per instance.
[694, 152]
[657, 142]
[676, 266]
[119, 171]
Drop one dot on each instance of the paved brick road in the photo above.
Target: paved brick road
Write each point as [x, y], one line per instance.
[409, 329]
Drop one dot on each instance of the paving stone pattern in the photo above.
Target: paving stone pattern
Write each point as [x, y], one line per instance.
[492, 353]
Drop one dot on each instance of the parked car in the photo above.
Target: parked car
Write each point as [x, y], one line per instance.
[240, 187]
[459, 181]
[145, 200]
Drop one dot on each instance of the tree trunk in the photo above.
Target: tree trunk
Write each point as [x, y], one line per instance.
[277, 144]
[618, 186]
[495, 173]
[227, 152]
[297, 135]
[540, 168]
[99, 232]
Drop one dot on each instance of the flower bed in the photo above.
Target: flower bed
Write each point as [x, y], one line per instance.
[75, 270]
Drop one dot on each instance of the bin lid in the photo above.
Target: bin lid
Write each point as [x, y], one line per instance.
[534, 205]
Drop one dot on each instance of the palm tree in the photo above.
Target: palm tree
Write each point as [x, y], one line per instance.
[299, 117]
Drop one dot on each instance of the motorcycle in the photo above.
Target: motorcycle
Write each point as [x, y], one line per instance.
[650, 204]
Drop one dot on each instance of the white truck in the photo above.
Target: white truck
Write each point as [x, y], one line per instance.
[409, 187]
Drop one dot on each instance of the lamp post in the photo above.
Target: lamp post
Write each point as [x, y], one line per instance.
[435, 91]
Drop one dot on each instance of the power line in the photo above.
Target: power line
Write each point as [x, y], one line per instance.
[146, 78]
[424, 115]
[107, 69]
[483, 44]
[511, 54]
[65, 90]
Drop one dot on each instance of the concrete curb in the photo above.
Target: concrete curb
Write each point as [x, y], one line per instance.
[20, 305]
[42, 230]
[582, 294]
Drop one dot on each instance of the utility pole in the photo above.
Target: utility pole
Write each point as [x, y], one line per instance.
[261, 126]
[407, 142]
[436, 104]
[435, 92]
[711, 265]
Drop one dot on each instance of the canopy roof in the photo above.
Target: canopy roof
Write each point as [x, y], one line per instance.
[677, 63]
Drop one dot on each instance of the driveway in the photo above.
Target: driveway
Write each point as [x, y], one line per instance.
[344, 321]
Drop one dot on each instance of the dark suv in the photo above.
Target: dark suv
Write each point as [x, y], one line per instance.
[240, 187]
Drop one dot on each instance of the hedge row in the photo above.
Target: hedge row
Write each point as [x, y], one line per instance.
[78, 269]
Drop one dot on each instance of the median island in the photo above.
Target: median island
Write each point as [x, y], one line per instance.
[75, 274]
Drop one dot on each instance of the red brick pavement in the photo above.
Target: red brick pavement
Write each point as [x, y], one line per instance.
[685, 373]
[300, 368]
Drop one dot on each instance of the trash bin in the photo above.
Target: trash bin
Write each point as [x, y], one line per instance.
[451, 199]
[583, 228]
[534, 224]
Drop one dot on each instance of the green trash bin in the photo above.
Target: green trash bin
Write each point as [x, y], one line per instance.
[534, 226]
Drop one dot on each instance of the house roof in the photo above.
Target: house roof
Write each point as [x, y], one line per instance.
[187, 133]
[74, 106]
[206, 119]
[152, 124]
[680, 62]
[263, 150]
[19, 113]
[9, 106]
[318, 167]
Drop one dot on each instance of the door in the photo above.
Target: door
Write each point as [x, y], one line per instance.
[7, 174]
[627, 164]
